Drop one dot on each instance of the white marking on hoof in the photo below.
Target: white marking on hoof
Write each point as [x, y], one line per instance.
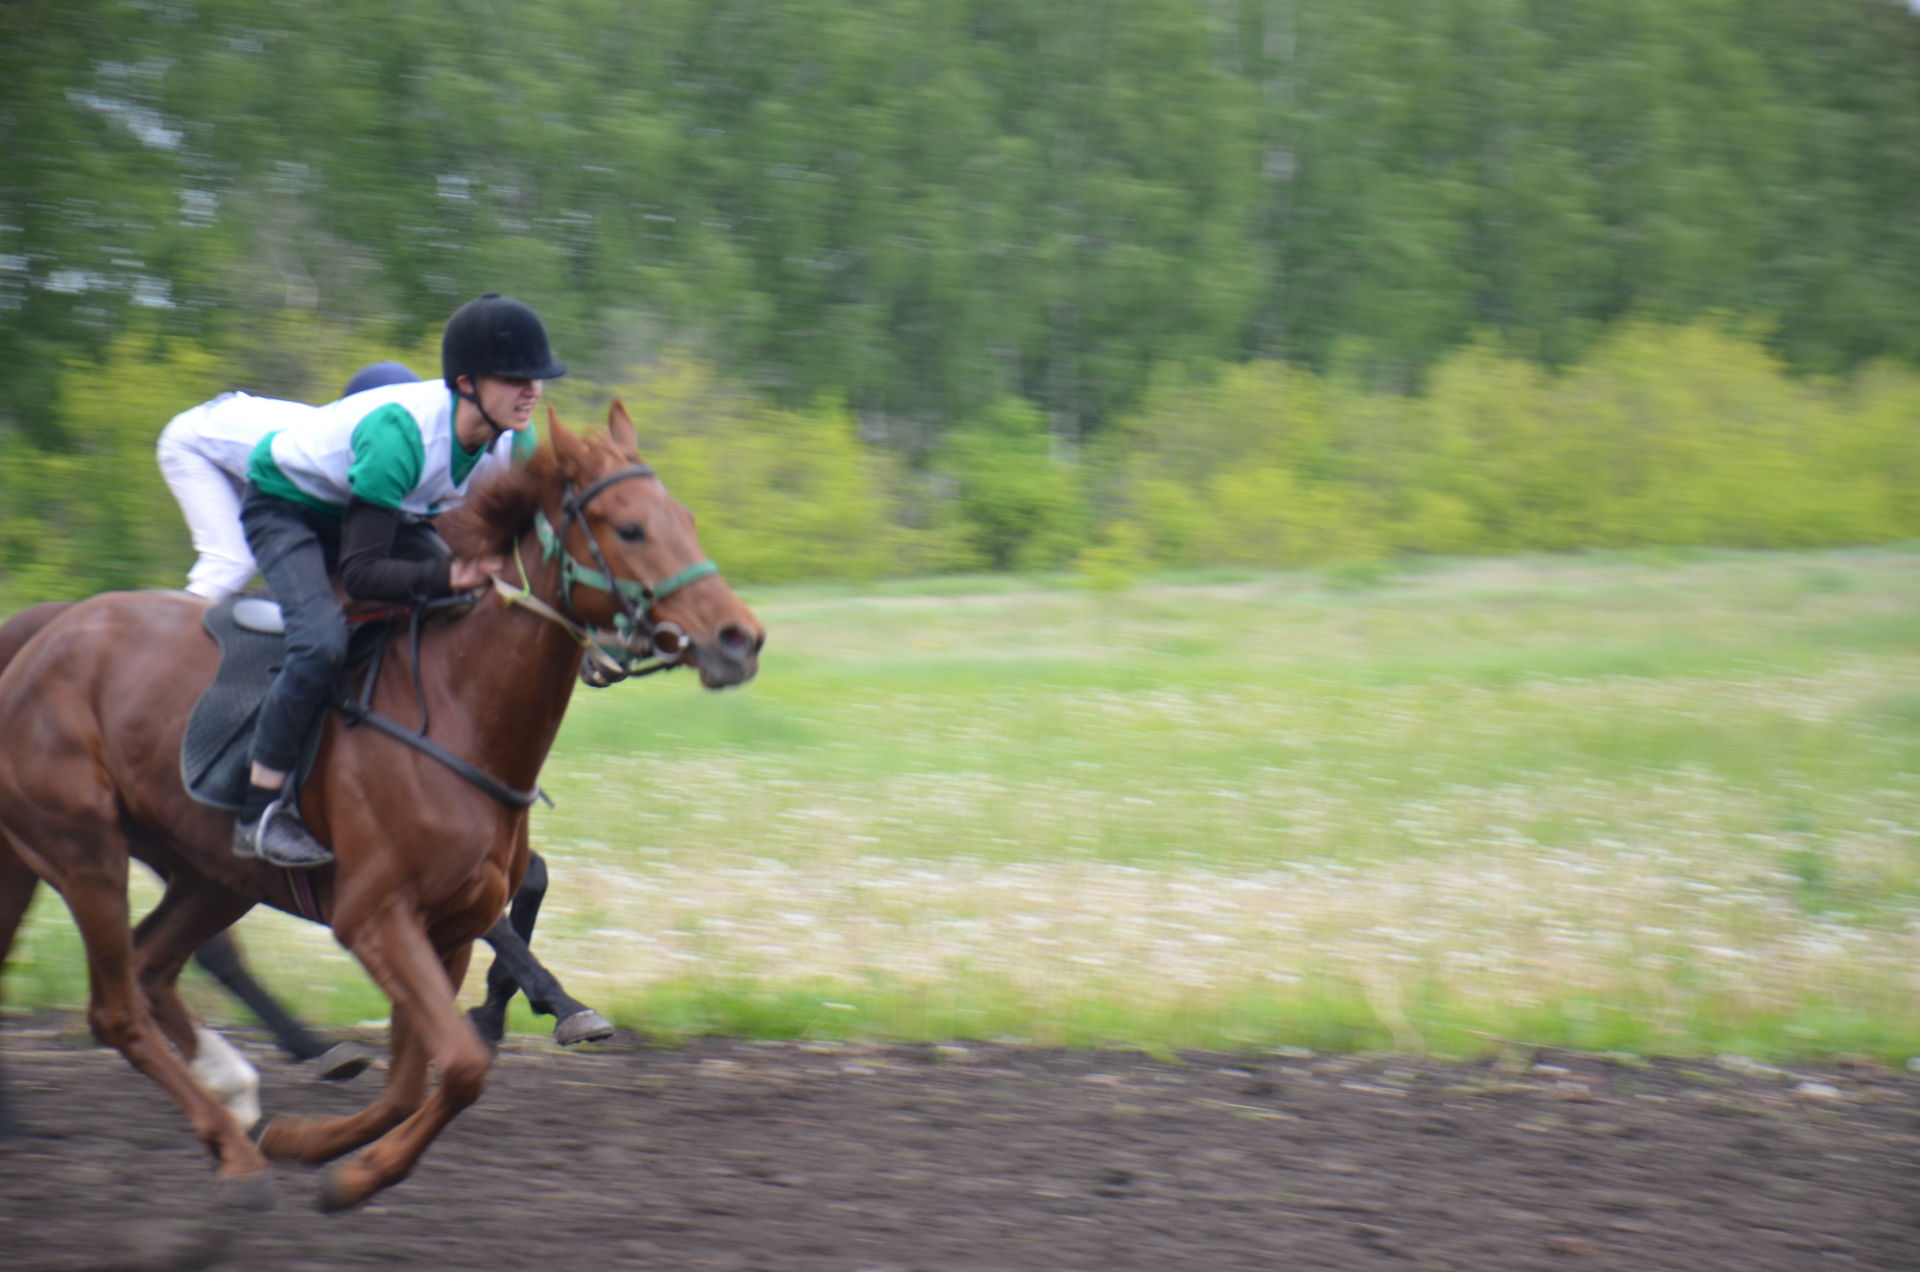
[225, 1074]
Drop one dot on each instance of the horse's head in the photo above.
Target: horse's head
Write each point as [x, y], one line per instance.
[629, 557]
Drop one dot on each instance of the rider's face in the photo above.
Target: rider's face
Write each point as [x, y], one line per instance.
[509, 400]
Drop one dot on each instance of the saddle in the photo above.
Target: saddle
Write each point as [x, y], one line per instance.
[214, 754]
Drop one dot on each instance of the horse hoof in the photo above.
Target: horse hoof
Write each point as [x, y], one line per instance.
[341, 1061]
[341, 1190]
[251, 1191]
[585, 1025]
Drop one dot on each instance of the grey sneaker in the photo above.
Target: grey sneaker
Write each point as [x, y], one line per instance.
[279, 839]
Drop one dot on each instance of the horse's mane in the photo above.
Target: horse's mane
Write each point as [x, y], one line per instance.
[499, 510]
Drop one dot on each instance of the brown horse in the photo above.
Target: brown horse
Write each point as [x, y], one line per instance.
[91, 714]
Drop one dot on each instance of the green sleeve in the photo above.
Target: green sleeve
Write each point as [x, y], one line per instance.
[387, 457]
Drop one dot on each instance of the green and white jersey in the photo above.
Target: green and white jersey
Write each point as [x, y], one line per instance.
[393, 446]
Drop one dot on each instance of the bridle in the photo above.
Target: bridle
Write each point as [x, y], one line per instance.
[639, 644]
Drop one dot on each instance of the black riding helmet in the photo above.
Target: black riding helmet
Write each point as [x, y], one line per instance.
[497, 335]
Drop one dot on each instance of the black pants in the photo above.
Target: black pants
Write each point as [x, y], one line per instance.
[296, 549]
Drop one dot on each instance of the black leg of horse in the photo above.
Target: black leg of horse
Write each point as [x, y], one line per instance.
[516, 969]
[335, 1062]
[222, 959]
[9, 1129]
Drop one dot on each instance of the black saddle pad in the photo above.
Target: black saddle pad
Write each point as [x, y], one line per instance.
[215, 754]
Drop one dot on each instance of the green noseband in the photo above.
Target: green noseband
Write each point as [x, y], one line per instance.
[572, 572]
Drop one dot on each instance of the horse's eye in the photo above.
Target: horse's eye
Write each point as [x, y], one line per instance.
[631, 531]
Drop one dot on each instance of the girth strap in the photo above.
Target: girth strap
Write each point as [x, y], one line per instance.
[358, 714]
[360, 711]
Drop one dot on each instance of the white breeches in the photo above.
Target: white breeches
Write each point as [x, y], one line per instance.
[210, 499]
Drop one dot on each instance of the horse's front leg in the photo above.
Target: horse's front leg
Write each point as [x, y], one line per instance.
[393, 946]
[321, 1139]
[516, 969]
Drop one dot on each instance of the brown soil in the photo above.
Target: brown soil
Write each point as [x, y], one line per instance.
[796, 1158]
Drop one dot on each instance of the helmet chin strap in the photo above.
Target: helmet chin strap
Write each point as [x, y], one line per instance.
[497, 427]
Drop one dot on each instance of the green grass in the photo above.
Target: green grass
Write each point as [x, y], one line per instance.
[1654, 802]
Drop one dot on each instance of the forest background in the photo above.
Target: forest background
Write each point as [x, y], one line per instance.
[905, 286]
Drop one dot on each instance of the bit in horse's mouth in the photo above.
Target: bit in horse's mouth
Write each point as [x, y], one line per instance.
[670, 642]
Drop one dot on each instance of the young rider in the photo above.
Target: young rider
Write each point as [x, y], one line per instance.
[345, 485]
[203, 455]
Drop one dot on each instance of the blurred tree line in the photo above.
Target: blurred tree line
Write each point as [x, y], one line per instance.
[929, 284]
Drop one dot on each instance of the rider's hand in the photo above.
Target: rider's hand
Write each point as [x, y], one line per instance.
[472, 572]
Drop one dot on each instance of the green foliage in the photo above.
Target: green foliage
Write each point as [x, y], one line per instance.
[1664, 438]
[1665, 435]
[1302, 282]
[1245, 467]
[920, 208]
[1116, 558]
[782, 495]
[91, 512]
[1016, 503]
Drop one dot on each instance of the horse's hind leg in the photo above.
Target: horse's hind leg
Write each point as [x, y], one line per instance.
[95, 889]
[219, 956]
[17, 886]
[510, 939]
[332, 1062]
[190, 911]
[515, 968]
[17, 879]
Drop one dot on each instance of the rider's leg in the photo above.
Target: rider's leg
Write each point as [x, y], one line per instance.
[209, 499]
[293, 557]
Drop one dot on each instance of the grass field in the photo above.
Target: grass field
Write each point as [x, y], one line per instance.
[1664, 803]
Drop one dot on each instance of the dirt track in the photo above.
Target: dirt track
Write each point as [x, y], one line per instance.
[990, 1159]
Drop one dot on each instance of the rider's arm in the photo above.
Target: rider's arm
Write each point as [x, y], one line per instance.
[369, 570]
[387, 463]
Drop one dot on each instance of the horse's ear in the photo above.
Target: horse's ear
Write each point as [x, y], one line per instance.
[566, 447]
[620, 424]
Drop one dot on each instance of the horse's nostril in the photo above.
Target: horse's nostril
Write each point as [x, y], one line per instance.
[735, 641]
